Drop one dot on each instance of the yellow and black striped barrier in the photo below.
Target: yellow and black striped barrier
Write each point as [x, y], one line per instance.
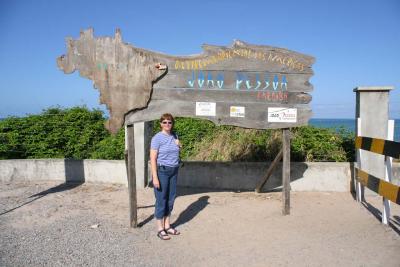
[380, 146]
[383, 188]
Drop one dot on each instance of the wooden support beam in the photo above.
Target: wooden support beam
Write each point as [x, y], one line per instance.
[130, 161]
[286, 171]
[269, 172]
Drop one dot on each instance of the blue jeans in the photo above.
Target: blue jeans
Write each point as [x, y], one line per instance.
[165, 195]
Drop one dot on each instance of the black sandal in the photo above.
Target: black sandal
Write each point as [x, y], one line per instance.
[163, 235]
[174, 231]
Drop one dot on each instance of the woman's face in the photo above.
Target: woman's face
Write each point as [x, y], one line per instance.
[166, 125]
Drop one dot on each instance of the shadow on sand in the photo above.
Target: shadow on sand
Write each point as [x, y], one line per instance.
[74, 177]
[394, 222]
[185, 216]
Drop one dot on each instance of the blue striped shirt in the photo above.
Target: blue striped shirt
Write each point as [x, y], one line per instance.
[168, 150]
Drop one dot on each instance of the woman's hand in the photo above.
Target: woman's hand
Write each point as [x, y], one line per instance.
[178, 143]
[156, 183]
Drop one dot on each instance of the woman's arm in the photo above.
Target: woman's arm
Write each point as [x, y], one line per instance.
[153, 162]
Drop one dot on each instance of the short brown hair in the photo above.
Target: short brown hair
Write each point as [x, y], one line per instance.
[167, 116]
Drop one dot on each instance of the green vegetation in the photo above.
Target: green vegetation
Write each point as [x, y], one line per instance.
[229, 143]
[57, 133]
[190, 132]
[79, 133]
[320, 144]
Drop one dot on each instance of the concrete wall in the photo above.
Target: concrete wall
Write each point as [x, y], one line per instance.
[245, 175]
[98, 171]
[312, 176]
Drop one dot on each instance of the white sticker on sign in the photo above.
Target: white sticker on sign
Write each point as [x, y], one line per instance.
[237, 111]
[205, 109]
[282, 114]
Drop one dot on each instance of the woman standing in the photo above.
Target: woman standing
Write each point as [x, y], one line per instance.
[164, 158]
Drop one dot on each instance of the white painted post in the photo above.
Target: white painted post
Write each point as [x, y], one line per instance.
[372, 106]
[143, 136]
[358, 186]
[141, 155]
[126, 137]
[388, 175]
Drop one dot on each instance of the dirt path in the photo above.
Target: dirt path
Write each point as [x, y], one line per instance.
[48, 224]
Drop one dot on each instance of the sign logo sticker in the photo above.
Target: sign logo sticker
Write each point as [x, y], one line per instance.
[205, 109]
[238, 112]
[282, 114]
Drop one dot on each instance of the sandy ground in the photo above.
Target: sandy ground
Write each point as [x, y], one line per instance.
[50, 224]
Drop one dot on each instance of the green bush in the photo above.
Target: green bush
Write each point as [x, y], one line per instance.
[190, 131]
[111, 147]
[230, 143]
[320, 144]
[55, 133]
[79, 133]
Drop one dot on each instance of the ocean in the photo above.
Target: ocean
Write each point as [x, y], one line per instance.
[349, 124]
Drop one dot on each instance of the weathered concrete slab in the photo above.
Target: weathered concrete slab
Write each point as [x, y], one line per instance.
[310, 176]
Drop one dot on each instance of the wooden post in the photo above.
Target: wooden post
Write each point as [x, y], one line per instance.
[269, 172]
[131, 176]
[286, 171]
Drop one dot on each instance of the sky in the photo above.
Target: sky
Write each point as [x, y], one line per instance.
[355, 43]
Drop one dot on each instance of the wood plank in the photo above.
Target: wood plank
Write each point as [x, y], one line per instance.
[286, 172]
[256, 114]
[281, 52]
[131, 176]
[235, 80]
[234, 96]
[268, 174]
[260, 57]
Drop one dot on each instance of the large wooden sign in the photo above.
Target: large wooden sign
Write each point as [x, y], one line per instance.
[252, 86]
